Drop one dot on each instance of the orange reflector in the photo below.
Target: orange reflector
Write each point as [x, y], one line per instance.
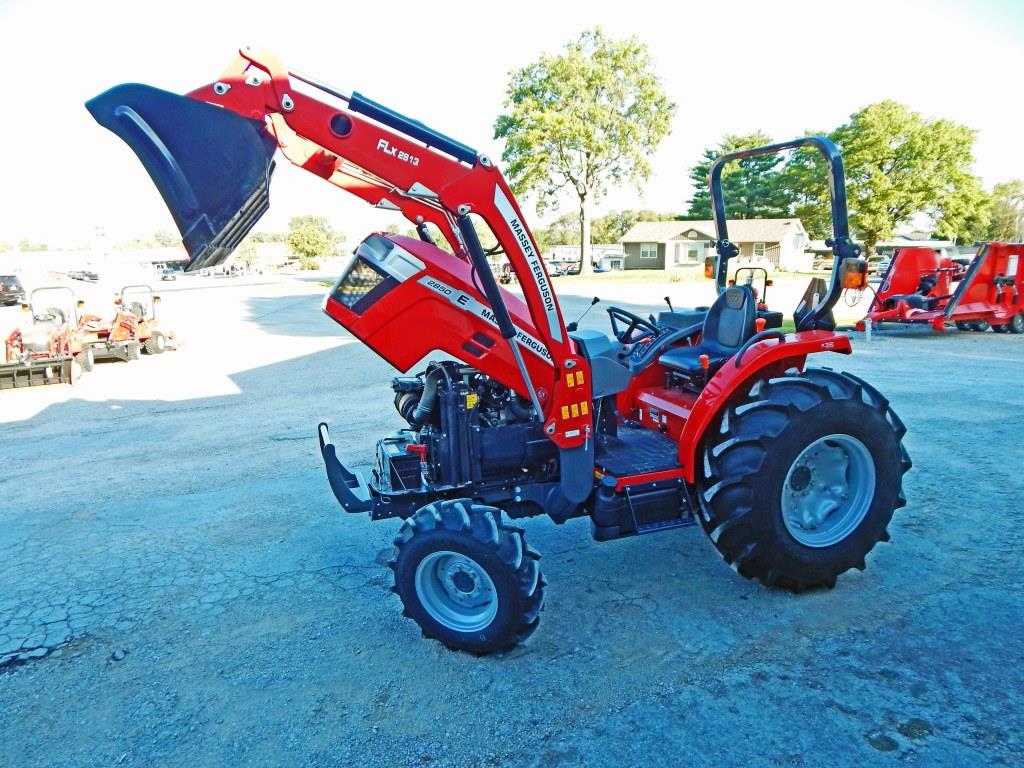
[760, 323]
[705, 362]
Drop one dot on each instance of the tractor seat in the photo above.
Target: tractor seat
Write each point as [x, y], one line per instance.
[729, 323]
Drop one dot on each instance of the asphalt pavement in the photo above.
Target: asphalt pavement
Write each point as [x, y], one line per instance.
[179, 587]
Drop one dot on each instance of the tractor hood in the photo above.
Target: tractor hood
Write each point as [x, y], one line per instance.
[211, 165]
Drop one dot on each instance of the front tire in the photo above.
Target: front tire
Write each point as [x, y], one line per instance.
[802, 478]
[1016, 324]
[468, 580]
[87, 359]
[155, 344]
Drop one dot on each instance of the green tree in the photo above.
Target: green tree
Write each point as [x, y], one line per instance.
[900, 164]
[1007, 220]
[582, 119]
[310, 238]
[27, 246]
[246, 254]
[564, 230]
[268, 237]
[804, 181]
[165, 239]
[752, 186]
[612, 226]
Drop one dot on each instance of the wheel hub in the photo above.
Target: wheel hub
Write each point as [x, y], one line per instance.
[800, 478]
[456, 591]
[828, 490]
[462, 582]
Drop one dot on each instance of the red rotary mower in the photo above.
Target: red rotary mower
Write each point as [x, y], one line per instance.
[919, 285]
[793, 471]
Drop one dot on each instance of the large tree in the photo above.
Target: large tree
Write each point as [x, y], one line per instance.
[311, 238]
[752, 186]
[1007, 223]
[582, 119]
[900, 164]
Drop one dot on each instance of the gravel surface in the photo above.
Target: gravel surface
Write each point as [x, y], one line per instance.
[179, 587]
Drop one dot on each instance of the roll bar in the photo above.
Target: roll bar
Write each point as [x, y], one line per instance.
[840, 243]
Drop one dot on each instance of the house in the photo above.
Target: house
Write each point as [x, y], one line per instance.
[773, 243]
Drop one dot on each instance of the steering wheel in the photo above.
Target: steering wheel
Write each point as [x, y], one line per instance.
[637, 328]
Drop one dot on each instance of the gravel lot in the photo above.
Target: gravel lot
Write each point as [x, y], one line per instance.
[179, 587]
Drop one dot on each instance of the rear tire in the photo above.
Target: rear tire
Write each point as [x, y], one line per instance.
[466, 579]
[1005, 328]
[802, 478]
[155, 344]
[980, 326]
[961, 326]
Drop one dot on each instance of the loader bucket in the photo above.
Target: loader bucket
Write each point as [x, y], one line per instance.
[211, 165]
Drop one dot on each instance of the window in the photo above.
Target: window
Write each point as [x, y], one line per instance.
[758, 250]
[648, 250]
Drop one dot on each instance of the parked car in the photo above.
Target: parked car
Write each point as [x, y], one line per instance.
[11, 290]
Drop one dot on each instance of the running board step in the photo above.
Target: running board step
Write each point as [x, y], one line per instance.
[664, 525]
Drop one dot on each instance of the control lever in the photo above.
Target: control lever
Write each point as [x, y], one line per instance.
[576, 323]
[669, 302]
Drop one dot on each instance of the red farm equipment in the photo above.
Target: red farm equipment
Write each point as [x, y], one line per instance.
[49, 349]
[922, 286]
[134, 328]
[793, 471]
[140, 303]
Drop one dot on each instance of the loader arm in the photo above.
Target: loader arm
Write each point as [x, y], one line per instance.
[210, 154]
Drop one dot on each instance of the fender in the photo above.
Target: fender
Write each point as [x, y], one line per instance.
[770, 357]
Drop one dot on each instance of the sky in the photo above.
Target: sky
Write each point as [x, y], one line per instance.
[785, 67]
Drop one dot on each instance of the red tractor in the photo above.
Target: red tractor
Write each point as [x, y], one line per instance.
[793, 471]
[918, 287]
[50, 349]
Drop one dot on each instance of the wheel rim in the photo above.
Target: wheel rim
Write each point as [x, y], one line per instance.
[456, 591]
[828, 490]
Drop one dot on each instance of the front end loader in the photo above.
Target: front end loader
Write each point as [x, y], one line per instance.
[793, 471]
